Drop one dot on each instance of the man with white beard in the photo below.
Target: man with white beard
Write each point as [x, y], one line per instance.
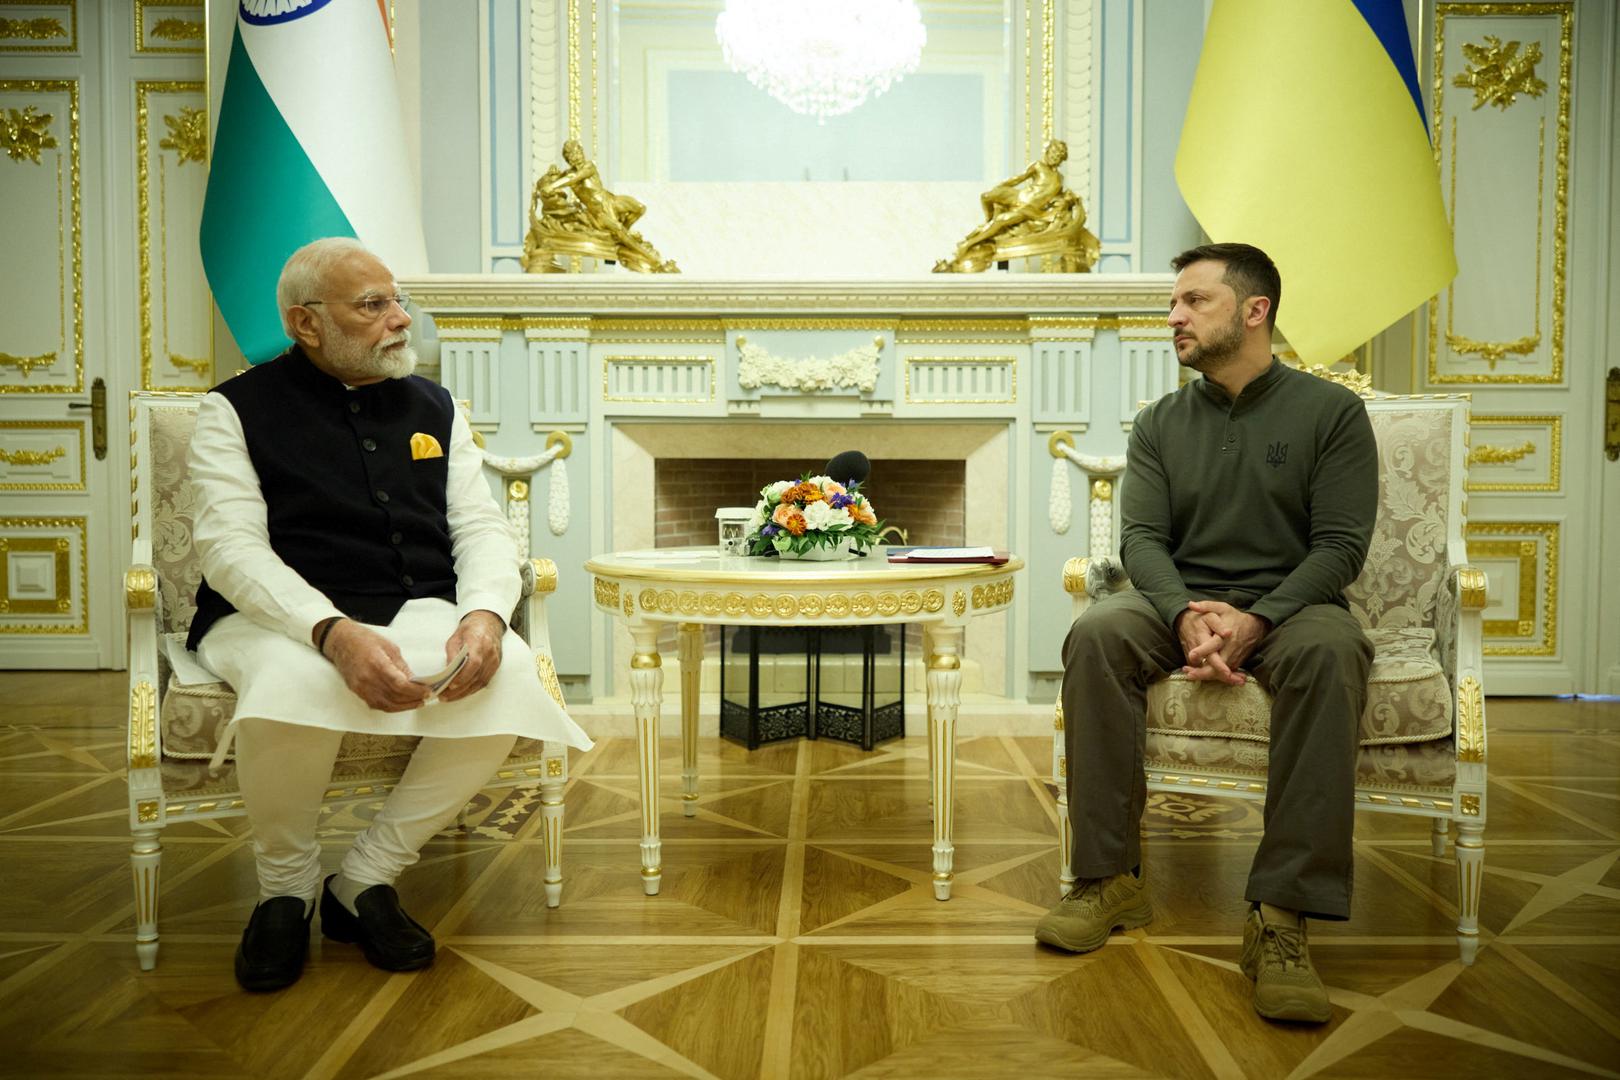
[349, 543]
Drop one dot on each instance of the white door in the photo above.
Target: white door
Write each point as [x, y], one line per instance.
[100, 187]
[1524, 100]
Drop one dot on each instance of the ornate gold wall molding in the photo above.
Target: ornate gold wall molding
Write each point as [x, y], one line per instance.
[25, 132]
[32, 457]
[41, 29]
[1485, 454]
[68, 545]
[1498, 74]
[170, 26]
[70, 256]
[25, 365]
[1513, 75]
[187, 141]
[37, 32]
[1488, 455]
[1533, 547]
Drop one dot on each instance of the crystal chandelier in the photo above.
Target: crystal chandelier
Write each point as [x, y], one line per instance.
[821, 57]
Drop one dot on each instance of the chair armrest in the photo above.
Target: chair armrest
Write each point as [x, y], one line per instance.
[144, 747]
[539, 581]
[1088, 579]
[1461, 639]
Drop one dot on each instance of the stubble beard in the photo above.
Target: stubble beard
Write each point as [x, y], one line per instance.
[1221, 349]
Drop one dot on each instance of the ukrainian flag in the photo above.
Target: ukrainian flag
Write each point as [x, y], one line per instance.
[1306, 136]
[309, 143]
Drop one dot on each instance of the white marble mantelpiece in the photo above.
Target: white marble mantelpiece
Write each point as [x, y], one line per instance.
[981, 369]
[628, 294]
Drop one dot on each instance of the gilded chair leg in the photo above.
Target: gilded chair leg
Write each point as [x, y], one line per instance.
[1470, 880]
[146, 864]
[551, 815]
[1441, 833]
[1065, 843]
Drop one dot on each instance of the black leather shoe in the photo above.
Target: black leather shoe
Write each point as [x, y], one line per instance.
[274, 945]
[391, 939]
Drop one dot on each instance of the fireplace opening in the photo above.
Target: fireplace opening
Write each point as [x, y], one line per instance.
[925, 499]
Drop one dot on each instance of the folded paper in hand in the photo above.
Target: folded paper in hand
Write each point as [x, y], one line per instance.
[441, 679]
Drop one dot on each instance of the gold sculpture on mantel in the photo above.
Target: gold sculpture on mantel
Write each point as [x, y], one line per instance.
[1029, 215]
[572, 213]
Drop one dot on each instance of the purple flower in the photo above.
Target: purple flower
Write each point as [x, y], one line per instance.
[839, 501]
[770, 530]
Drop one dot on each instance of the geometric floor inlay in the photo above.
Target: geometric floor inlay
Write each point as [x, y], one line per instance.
[796, 934]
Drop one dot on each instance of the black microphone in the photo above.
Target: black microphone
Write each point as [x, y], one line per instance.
[849, 468]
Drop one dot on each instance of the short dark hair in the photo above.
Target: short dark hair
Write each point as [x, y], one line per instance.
[1249, 271]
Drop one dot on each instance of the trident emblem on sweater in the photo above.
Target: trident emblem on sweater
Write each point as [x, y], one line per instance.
[1277, 454]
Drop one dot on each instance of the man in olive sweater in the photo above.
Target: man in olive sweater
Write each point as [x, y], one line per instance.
[1248, 504]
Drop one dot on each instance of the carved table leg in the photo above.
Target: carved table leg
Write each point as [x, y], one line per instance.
[646, 688]
[943, 647]
[691, 687]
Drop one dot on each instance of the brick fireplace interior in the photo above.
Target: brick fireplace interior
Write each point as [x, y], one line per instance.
[925, 498]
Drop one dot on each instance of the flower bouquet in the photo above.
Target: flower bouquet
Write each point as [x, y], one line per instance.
[812, 518]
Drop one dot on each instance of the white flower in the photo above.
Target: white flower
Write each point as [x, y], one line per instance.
[758, 521]
[772, 493]
[822, 518]
[821, 481]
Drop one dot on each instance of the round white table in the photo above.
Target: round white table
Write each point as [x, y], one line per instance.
[694, 587]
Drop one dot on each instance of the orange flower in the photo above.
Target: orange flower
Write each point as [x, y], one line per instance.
[794, 524]
[862, 513]
[783, 511]
[802, 493]
[833, 487]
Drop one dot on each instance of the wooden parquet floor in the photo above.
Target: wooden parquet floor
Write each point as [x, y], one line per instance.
[796, 934]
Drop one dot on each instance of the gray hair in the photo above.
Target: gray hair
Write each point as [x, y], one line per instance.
[303, 275]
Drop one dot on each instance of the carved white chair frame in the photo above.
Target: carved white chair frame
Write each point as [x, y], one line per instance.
[1464, 804]
[151, 807]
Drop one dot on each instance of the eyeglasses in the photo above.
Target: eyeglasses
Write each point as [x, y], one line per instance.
[372, 307]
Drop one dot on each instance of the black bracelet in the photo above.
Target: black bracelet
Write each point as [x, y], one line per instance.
[326, 632]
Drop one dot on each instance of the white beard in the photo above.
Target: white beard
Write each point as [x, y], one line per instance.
[353, 361]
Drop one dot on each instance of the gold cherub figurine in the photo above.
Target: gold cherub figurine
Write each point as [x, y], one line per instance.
[572, 213]
[1031, 214]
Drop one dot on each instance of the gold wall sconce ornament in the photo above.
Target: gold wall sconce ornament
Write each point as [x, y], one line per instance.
[572, 214]
[1029, 215]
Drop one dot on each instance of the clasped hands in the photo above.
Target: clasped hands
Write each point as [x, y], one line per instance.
[1216, 638]
[373, 668]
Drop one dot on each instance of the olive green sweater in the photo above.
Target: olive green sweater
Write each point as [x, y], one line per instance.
[1273, 495]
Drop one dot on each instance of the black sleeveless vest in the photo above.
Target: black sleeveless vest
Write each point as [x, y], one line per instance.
[349, 508]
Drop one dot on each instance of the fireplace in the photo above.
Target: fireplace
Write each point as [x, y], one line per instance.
[925, 499]
[943, 483]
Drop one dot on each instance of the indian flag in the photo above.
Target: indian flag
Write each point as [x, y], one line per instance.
[309, 144]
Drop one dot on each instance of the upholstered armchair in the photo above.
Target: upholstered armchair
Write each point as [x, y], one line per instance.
[174, 727]
[1423, 733]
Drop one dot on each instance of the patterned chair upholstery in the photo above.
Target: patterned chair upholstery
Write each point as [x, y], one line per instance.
[1423, 732]
[174, 727]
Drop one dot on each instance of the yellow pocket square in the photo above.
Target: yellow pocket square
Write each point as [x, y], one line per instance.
[424, 445]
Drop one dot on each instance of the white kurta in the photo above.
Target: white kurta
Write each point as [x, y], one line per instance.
[265, 650]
